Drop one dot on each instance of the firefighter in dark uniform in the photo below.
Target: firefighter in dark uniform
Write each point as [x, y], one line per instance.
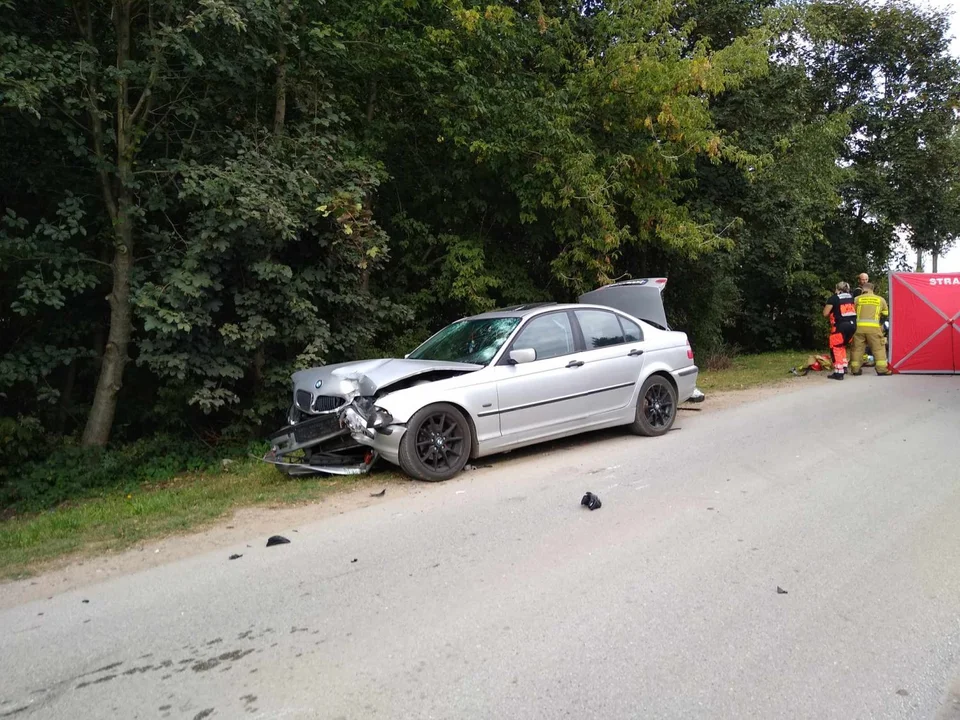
[842, 314]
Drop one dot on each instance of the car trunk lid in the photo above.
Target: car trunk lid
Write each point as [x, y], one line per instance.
[640, 298]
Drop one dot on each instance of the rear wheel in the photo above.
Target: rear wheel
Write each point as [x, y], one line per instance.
[437, 443]
[656, 407]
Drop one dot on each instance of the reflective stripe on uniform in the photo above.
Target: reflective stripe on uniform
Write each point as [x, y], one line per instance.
[869, 310]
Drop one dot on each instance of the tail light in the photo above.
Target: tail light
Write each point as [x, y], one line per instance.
[689, 351]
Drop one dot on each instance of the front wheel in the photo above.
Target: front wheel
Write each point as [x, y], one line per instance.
[437, 443]
[656, 407]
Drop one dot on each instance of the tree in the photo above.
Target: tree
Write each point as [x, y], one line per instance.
[891, 67]
[228, 224]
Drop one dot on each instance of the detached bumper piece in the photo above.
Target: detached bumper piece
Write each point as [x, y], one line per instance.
[697, 397]
[319, 445]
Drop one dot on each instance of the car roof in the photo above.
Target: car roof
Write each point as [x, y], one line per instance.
[522, 311]
[517, 311]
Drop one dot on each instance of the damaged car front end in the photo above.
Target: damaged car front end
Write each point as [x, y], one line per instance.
[335, 427]
[318, 444]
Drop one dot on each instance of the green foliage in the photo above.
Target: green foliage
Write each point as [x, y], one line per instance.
[70, 472]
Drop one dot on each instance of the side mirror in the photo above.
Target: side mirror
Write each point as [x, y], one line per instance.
[518, 357]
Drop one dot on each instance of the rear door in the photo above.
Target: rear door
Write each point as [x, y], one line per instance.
[613, 358]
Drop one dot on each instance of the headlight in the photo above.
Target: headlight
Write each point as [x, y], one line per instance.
[349, 388]
[381, 418]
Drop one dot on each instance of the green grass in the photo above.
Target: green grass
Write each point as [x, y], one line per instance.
[118, 520]
[750, 371]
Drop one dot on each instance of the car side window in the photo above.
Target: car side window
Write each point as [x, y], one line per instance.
[600, 329]
[631, 331]
[550, 335]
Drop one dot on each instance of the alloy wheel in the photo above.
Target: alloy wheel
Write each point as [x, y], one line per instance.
[658, 406]
[440, 443]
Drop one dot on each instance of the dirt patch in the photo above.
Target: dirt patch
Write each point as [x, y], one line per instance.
[724, 399]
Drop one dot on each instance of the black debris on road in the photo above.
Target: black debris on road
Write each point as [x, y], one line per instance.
[591, 501]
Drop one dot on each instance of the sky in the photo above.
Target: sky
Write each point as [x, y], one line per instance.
[951, 261]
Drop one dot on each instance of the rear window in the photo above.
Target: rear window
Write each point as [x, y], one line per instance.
[600, 329]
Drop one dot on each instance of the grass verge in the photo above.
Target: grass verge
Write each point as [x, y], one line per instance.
[750, 371]
[117, 520]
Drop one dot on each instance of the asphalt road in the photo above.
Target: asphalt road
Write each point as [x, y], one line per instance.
[498, 596]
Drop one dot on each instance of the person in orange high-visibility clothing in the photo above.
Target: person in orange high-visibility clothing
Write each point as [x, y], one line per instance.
[843, 324]
[871, 312]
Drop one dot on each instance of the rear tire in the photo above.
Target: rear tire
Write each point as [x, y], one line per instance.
[437, 443]
[656, 407]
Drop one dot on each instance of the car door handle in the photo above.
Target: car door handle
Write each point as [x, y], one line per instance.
[574, 363]
[635, 353]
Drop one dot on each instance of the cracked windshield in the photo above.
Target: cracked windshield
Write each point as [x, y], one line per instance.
[467, 341]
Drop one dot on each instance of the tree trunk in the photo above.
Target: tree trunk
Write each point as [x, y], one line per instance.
[120, 205]
[280, 104]
[919, 260]
[100, 419]
[933, 260]
[259, 359]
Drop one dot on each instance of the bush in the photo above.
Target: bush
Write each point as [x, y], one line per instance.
[69, 472]
[721, 357]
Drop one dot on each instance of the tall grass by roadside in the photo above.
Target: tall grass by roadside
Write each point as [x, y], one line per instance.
[727, 372]
[120, 519]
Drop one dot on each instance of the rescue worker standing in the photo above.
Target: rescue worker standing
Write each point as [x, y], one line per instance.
[862, 279]
[842, 313]
[871, 312]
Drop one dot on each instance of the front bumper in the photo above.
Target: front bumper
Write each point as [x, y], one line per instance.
[320, 444]
[347, 442]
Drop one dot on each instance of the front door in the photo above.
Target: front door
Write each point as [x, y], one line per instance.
[540, 397]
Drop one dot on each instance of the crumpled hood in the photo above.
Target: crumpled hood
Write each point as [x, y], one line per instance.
[372, 374]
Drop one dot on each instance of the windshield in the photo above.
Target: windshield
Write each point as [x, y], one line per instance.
[467, 341]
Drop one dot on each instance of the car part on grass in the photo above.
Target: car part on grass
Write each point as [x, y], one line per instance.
[697, 397]
[277, 540]
[591, 501]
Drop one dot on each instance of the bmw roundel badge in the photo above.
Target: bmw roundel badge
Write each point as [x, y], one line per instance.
[319, 383]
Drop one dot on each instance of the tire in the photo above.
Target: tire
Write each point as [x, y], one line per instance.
[656, 407]
[437, 443]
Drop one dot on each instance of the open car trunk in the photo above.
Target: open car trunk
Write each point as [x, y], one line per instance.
[641, 298]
